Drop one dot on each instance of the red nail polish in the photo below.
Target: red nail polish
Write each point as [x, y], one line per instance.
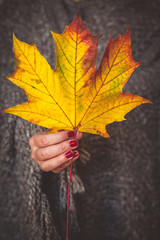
[75, 154]
[69, 154]
[70, 134]
[73, 143]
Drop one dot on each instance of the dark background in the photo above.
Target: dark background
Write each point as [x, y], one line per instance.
[122, 177]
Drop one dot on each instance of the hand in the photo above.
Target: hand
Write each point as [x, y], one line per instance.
[54, 151]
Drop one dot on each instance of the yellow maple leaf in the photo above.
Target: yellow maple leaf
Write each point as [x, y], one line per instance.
[75, 95]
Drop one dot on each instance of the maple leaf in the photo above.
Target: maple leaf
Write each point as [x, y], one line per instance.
[75, 95]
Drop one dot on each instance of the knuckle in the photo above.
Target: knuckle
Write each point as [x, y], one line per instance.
[44, 167]
[43, 140]
[64, 147]
[59, 160]
[31, 141]
[42, 154]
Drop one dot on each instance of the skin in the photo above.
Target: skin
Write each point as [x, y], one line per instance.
[49, 150]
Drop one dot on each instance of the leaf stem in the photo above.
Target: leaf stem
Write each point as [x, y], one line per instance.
[69, 184]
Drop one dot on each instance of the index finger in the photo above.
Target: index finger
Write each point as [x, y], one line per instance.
[45, 139]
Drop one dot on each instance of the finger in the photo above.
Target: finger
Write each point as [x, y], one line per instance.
[55, 150]
[63, 166]
[79, 135]
[45, 139]
[55, 162]
[33, 156]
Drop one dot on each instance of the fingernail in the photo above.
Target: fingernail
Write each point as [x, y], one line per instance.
[69, 154]
[75, 154]
[73, 143]
[70, 134]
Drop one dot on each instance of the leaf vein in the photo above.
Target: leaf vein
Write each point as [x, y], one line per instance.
[109, 111]
[44, 85]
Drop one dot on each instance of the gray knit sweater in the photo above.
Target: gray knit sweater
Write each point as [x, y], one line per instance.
[115, 192]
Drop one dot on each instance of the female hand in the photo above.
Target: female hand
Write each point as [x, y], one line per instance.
[54, 151]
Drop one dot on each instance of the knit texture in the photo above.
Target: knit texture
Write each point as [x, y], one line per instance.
[115, 191]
